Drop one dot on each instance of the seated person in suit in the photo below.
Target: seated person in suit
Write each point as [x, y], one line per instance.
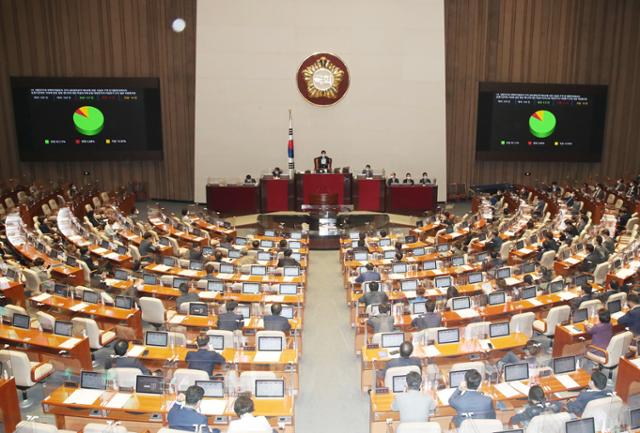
[452, 292]
[246, 259]
[369, 275]
[392, 179]
[203, 359]
[230, 320]
[468, 402]
[374, 296]
[495, 243]
[600, 249]
[367, 172]
[282, 245]
[424, 180]
[195, 253]
[147, 246]
[430, 319]
[383, 322]
[275, 322]
[601, 332]
[184, 414]
[607, 241]
[247, 422]
[408, 180]
[248, 180]
[596, 390]
[362, 247]
[587, 295]
[121, 360]
[631, 319]
[276, 173]
[413, 405]
[186, 296]
[86, 257]
[613, 289]
[287, 260]
[537, 405]
[322, 163]
[406, 349]
[592, 260]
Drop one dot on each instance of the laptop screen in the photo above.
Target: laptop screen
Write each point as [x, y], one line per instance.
[418, 308]
[528, 292]
[266, 243]
[61, 290]
[634, 416]
[565, 364]
[92, 380]
[226, 268]
[269, 388]
[90, 297]
[361, 256]
[556, 286]
[456, 378]
[264, 256]
[124, 302]
[399, 383]
[497, 298]
[169, 261]
[196, 265]
[392, 339]
[234, 254]
[513, 372]
[442, 248]
[457, 261]
[215, 286]
[295, 245]
[291, 271]
[198, 309]
[461, 303]
[354, 236]
[149, 280]
[399, 268]
[121, 274]
[503, 273]
[150, 385]
[389, 254]
[244, 310]
[63, 328]
[443, 282]
[296, 235]
[287, 289]
[156, 338]
[269, 233]
[528, 268]
[474, 277]
[177, 282]
[241, 241]
[71, 261]
[287, 311]
[410, 239]
[384, 242]
[251, 288]
[212, 388]
[584, 425]
[446, 336]
[418, 252]
[614, 306]
[258, 270]
[216, 342]
[429, 265]
[499, 329]
[409, 285]
[580, 315]
[270, 344]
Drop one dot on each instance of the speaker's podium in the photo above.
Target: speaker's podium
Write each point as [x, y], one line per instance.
[277, 193]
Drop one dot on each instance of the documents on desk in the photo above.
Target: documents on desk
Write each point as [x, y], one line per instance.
[431, 351]
[213, 406]
[522, 388]
[4, 283]
[79, 306]
[445, 394]
[113, 256]
[100, 250]
[567, 381]
[267, 357]
[83, 396]
[135, 351]
[118, 401]
[245, 277]
[618, 315]
[467, 313]
[177, 319]
[510, 281]
[70, 343]
[190, 272]
[566, 296]
[224, 276]
[41, 297]
[161, 268]
[507, 390]
[572, 261]
[534, 302]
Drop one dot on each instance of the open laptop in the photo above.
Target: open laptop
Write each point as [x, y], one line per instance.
[150, 385]
[269, 388]
[212, 388]
[514, 372]
[391, 340]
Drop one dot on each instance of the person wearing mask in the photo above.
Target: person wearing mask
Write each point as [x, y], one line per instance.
[468, 402]
[367, 172]
[248, 180]
[592, 259]
[287, 260]
[430, 319]
[392, 179]
[203, 359]
[374, 296]
[185, 414]
[230, 320]
[247, 422]
[408, 180]
[413, 405]
[424, 180]
[537, 405]
[121, 360]
[595, 390]
[631, 319]
[276, 173]
[322, 163]
[185, 296]
[383, 322]
[275, 322]
[369, 275]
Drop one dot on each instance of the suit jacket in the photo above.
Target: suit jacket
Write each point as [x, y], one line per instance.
[368, 276]
[427, 320]
[317, 163]
[127, 362]
[609, 244]
[392, 180]
[230, 321]
[374, 298]
[577, 406]
[183, 418]
[495, 244]
[530, 412]
[287, 261]
[203, 359]
[590, 262]
[408, 181]
[424, 181]
[631, 320]
[413, 405]
[382, 323]
[276, 323]
[402, 362]
[478, 405]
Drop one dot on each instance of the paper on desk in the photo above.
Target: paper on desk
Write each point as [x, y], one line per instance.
[267, 356]
[274, 298]
[190, 272]
[467, 313]
[636, 362]
[534, 302]
[118, 401]
[287, 279]
[572, 261]
[567, 381]
[245, 277]
[511, 281]
[161, 268]
[573, 329]
[135, 351]
[617, 315]
[506, 390]
[410, 294]
[213, 406]
[41, 297]
[396, 276]
[224, 276]
[437, 271]
[432, 292]
[4, 282]
[431, 351]
[79, 306]
[70, 343]
[526, 250]
[99, 250]
[566, 296]
[508, 233]
[522, 388]
[178, 318]
[484, 344]
[83, 396]
[113, 256]
[445, 394]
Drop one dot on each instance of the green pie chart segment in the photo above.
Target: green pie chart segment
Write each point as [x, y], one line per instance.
[88, 120]
[542, 123]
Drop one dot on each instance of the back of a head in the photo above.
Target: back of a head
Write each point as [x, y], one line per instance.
[288, 252]
[536, 395]
[599, 380]
[586, 288]
[473, 379]
[243, 405]
[384, 308]
[184, 288]
[383, 233]
[528, 279]
[452, 292]
[604, 316]
[231, 306]
[414, 380]
[362, 236]
[202, 340]
[193, 395]
[39, 261]
[276, 309]
[613, 285]
[590, 248]
[373, 286]
[361, 243]
[420, 291]
[255, 244]
[282, 243]
[430, 305]
[121, 347]
[185, 211]
[369, 266]
[406, 349]
[632, 298]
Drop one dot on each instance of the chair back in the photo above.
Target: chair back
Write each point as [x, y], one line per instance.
[134, 252]
[46, 210]
[53, 205]
[125, 377]
[35, 427]
[226, 335]
[556, 316]
[523, 323]
[398, 371]
[177, 338]
[183, 378]
[473, 365]
[505, 249]
[46, 320]
[480, 426]
[618, 347]
[94, 427]
[476, 330]
[32, 280]
[548, 423]
[606, 412]
[91, 330]
[592, 305]
[419, 427]
[86, 272]
[620, 296]
[11, 309]
[272, 334]
[248, 379]
[104, 196]
[96, 202]
[17, 364]
[600, 273]
[152, 310]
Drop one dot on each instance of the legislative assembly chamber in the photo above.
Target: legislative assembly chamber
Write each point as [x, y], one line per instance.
[291, 216]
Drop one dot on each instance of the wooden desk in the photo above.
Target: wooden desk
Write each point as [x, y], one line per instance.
[61, 271]
[411, 199]
[9, 404]
[121, 260]
[184, 238]
[233, 199]
[104, 315]
[47, 347]
[131, 237]
[309, 184]
[15, 293]
[136, 414]
[213, 229]
[628, 378]
[569, 266]
[573, 339]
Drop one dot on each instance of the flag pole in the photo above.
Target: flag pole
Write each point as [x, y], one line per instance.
[292, 165]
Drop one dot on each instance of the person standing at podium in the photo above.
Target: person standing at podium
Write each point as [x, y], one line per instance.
[392, 179]
[424, 180]
[322, 163]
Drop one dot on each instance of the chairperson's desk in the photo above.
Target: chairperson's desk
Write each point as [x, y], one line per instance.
[148, 412]
[411, 199]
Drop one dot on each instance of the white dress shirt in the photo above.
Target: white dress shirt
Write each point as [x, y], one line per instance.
[250, 424]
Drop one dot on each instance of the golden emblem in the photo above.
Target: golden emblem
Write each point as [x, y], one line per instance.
[323, 78]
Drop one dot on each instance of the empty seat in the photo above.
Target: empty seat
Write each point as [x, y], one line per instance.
[557, 315]
[25, 372]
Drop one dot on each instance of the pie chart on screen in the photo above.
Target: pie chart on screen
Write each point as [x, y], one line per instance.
[542, 123]
[88, 120]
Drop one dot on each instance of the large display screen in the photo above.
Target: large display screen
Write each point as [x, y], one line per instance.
[87, 118]
[540, 122]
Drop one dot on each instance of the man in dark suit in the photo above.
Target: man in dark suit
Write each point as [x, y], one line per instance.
[596, 390]
[430, 319]
[275, 322]
[407, 179]
[369, 275]
[287, 260]
[86, 257]
[406, 349]
[184, 414]
[631, 320]
[392, 179]
[121, 360]
[186, 296]
[230, 321]
[203, 359]
[468, 402]
[374, 296]
[383, 322]
[424, 180]
[322, 163]
[592, 260]
[607, 241]
[495, 243]
[587, 295]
